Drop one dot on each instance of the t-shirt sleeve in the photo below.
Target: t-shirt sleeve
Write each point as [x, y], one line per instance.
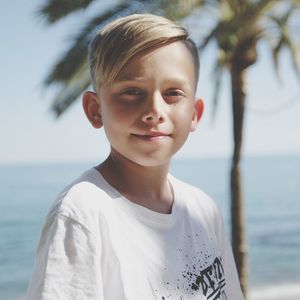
[67, 262]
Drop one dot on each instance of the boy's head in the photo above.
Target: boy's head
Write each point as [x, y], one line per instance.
[116, 43]
[145, 72]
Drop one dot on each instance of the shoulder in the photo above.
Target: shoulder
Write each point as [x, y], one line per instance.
[193, 195]
[197, 202]
[83, 201]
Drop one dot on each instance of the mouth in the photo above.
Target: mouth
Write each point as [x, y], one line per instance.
[151, 136]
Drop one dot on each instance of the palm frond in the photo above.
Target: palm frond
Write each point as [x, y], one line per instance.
[285, 40]
[55, 10]
[71, 90]
[294, 52]
[211, 35]
[296, 3]
[178, 9]
[217, 78]
[73, 58]
[275, 54]
[231, 27]
[236, 6]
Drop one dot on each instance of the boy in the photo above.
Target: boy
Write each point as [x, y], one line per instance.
[126, 229]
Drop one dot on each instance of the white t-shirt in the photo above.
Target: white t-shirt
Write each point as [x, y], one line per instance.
[96, 244]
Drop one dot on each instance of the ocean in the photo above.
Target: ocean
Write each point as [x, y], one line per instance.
[272, 197]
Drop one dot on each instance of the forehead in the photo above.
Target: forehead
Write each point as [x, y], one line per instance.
[171, 60]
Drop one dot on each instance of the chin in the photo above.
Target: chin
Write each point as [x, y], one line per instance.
[150, 161]
[155, 164]
[144, 158]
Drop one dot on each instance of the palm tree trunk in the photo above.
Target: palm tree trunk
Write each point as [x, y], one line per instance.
[239, 243]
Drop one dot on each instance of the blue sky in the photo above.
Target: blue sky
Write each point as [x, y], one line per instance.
[30, 133]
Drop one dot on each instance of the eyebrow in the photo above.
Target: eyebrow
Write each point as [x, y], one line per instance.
[129, 78]
[176, 81]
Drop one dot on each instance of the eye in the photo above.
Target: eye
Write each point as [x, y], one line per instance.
[133, 92]
[131, 95]
[174, 95]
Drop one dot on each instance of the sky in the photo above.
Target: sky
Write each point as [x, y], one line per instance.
[29, 132]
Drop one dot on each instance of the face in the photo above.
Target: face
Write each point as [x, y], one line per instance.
[150, 108]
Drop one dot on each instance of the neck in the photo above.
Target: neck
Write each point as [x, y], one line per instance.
[145, 185]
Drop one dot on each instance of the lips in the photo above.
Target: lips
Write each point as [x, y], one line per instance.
[151, 136]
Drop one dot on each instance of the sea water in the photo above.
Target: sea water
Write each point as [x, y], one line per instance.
[272, 205]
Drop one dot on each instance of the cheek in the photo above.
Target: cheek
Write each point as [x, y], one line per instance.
[118, 118]
[183, 117]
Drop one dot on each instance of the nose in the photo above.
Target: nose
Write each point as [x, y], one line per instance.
[154, 112]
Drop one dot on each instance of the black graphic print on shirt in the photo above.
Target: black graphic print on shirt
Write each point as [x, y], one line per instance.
[209, 281]
[202, 275]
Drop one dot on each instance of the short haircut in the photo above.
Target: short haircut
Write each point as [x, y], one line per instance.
[115, 44]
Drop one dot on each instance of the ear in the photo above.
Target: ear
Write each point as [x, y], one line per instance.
[197, 114]
[92, 109]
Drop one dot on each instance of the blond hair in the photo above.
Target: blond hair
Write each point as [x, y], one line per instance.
[120, 40]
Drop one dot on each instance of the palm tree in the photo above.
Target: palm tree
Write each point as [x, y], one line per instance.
[237, 32]
[239, 25]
